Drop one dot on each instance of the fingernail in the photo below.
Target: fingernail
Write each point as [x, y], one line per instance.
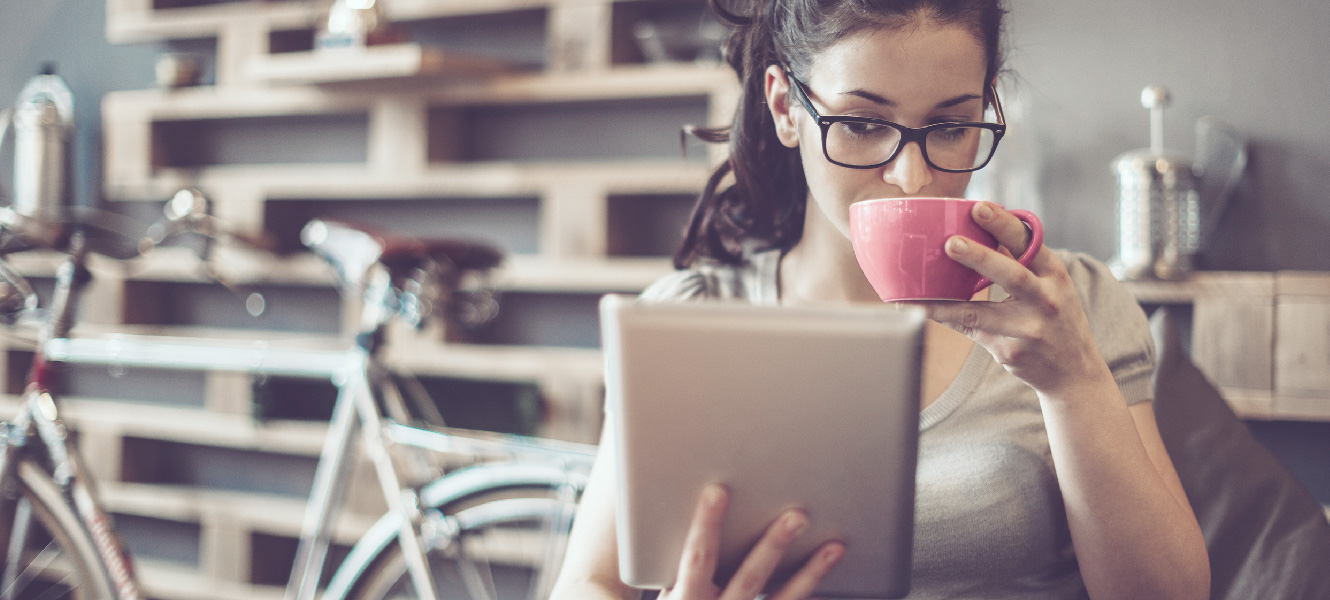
[795, 523]
[713, 494]
[956, 245]
[833, 554]
[984, 212]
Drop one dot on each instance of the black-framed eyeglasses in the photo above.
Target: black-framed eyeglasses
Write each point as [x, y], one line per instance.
[868, 143]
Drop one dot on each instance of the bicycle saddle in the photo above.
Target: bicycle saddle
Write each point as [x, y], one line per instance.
[352, 249]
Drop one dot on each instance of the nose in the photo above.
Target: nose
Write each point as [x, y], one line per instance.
[908, 171]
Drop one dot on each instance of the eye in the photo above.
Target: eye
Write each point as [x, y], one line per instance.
[951, 134]
[862, 129]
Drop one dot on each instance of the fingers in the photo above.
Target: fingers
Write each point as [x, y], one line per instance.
[763, 559]
[802, 584]
[1009, 231]
[1002, 269]
[1012, 234]
[983, 322]
[702, 546]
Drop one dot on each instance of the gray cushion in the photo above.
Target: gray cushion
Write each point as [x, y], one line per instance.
[1267, 536]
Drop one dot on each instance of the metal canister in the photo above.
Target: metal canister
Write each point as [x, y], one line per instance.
[43, 130]
[1159, 218]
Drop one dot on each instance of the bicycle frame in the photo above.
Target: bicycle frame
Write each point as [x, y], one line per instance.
[356, 413]
[37, 428]
[363, 385]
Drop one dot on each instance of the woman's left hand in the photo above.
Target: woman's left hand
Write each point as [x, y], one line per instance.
[1040, 333]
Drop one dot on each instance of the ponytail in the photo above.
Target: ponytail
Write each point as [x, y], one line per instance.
[763, 208]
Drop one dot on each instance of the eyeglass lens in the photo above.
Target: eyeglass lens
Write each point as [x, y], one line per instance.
[863, 144]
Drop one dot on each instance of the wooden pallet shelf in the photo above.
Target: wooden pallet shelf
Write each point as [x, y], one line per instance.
[261, 513]
[398, 111]
[375, 63]
[518, 273]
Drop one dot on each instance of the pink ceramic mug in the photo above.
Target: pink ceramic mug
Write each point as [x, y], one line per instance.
[899, 243]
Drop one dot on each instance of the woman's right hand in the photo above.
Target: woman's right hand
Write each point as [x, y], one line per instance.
[697, 567]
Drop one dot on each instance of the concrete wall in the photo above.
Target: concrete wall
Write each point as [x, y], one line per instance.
[1081, 65]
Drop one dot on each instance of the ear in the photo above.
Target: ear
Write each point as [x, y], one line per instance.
[778, 102]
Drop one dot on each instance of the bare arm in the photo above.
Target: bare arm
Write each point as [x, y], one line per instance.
[591, 566]
[1134, 532]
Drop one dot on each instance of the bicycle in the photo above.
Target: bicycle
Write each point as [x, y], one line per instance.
[492, 529]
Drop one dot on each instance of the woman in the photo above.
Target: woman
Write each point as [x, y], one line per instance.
[1044, 478]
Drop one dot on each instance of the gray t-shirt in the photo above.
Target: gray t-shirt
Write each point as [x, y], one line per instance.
[989, 518]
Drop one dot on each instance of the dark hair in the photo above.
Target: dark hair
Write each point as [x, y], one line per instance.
[763, 207]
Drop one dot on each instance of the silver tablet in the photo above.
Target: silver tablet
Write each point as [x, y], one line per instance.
[816, 408]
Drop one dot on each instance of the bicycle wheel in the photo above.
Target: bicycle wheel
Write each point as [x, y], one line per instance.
[499, 543]
[56, 557]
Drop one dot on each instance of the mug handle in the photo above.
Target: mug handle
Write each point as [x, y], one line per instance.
[1036, 242]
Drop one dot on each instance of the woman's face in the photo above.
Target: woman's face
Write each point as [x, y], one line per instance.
[915, 76]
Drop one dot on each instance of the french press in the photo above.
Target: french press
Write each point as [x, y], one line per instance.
[1159, 213]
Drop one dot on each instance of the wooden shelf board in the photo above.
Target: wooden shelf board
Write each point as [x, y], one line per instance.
[472, 180]
[499, 363]
[209, 102]
[186, 425]
[204, 21]
[368, 64]
[168, 581]
[1203, 284]
[518, 273]
[475, 361]
[536, 274]
[275, 515]
[208, 20]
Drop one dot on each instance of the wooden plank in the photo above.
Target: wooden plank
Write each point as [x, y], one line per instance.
[127, 136]
[579, 36]
[1302, 283]
[373, 63]
[190, 426]
[524, 273]
[1233, 330]
[1296, 408]
[413, 10]
[276, 515]
[230, 393]
[574, 221]
[1250, 404]
[1302, 356]
[470, 180]
[167, 581]
[135, 26]
[614, 84]
[398, 137]
[224, 547]
[239, 41]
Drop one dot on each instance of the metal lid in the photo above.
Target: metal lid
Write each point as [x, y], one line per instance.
[1155, 162]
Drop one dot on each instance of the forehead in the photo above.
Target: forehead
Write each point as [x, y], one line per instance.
[927, 60]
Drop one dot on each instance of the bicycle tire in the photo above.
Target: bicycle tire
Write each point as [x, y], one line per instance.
[503, 539]
[58, 545]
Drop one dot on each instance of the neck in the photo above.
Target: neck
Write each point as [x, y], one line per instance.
[822, 266]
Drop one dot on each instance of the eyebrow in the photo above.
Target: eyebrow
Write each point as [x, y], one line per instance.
[876, 99]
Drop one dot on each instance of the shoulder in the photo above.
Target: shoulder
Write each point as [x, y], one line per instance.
[1118, 323]
[753, 280]
[1102, 295]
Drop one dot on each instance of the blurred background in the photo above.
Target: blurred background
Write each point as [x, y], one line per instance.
[551, 129]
